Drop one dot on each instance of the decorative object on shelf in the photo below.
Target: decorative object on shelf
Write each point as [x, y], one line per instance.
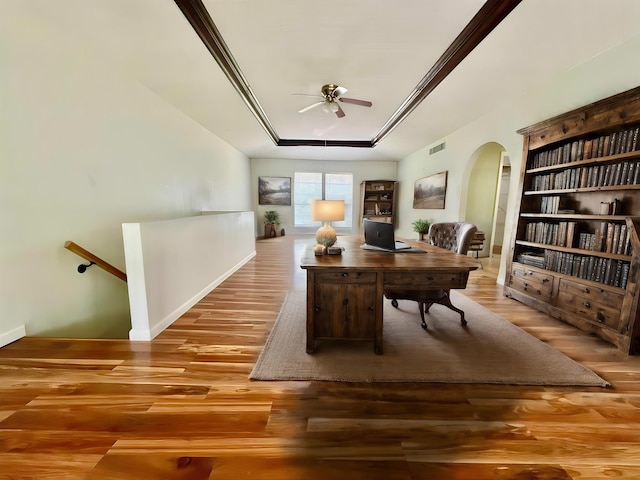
[327, 211]
[421, 227]
[334, 250]
[274, 190]
[430, 192]
[575, 252]
[271, 223]
[319, 250]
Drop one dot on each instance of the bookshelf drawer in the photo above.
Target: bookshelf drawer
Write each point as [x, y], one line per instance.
[541, 291]
[592, 311]
[590, 293]
[527, 275]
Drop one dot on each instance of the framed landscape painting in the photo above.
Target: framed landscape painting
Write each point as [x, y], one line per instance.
[274, 190]
[430, 192]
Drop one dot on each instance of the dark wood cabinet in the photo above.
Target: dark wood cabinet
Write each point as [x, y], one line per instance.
[345, 305]
[576, 250]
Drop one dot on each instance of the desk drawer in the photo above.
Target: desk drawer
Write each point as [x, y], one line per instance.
[426, 280]
[345, 277]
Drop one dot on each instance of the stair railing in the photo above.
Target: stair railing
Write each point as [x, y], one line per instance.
[94, 260]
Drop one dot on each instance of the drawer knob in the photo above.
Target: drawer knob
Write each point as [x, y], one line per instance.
[345, 301]
[545, 280]
[345, 274]
[317, 309]
[586, 290]
[371, 309]
[600, 316]
[586, 304]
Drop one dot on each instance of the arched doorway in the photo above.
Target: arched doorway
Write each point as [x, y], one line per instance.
[500, 210]
[487, 195]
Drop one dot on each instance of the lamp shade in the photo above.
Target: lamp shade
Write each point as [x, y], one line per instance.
[327, 210]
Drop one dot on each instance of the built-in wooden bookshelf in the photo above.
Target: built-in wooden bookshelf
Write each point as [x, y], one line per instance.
[576, 251]
[378, 200]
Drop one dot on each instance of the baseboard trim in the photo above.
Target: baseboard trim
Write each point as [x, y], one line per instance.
[149, 334]
[12, 335]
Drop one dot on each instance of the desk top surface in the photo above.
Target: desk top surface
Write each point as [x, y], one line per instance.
[355, 258]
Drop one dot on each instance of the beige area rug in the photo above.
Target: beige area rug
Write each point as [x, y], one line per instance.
[489, 349]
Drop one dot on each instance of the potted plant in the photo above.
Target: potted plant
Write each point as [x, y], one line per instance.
[271, 223]
[421, 227]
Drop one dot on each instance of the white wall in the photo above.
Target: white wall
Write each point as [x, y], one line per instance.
[607, 74]
[286, 168]
[173, 264]
[83, 149]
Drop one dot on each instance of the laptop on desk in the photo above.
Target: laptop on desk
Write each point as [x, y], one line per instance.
[380, 236]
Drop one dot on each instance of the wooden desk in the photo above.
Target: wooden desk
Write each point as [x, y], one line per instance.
[345, 292]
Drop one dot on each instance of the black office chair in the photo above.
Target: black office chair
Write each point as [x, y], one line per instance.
[454, 236]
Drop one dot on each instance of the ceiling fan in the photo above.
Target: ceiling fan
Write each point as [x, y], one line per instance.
[330, 94]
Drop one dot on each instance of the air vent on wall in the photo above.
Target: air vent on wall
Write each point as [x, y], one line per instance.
[436, 149]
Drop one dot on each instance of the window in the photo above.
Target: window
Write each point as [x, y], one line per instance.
[311, 186]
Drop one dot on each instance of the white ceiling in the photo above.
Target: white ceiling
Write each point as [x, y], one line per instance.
[379, 50]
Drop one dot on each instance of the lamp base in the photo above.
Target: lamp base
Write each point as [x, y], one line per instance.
[326, 236]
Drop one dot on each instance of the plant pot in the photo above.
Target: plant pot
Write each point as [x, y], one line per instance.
[271, 230]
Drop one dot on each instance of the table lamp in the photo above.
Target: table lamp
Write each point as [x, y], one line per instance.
[327, 211]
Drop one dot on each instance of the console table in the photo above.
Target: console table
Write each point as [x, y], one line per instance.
[345, 292]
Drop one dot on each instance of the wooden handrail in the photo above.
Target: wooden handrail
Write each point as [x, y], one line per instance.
[78, 250]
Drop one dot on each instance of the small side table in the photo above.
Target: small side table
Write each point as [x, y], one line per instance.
[477, 242]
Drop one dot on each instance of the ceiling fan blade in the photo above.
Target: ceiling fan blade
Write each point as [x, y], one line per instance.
[339, 91]
[339, 113]
[313, 105]
[362, 103]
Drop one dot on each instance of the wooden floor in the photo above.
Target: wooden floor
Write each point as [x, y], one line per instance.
[182, 407]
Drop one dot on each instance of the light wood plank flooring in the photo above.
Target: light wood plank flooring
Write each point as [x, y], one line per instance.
[182, 407]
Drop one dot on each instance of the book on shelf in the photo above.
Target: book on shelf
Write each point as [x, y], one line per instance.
[587, 149]
[570, 234]
[606, 144]
[608, 242]
[533, 259]
[616, 238]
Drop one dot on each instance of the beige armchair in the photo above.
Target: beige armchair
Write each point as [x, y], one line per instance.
[454, 236]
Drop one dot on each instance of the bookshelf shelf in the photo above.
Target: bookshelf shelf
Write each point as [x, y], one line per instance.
[576, 250]
[578, 216]
[593, 284]
[611, 188]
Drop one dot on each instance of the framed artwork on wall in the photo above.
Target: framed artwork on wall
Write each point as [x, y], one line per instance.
[274, 190]
[430, 192]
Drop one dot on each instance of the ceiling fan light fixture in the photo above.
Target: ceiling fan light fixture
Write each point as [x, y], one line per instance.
[331, 94]
[330, 106]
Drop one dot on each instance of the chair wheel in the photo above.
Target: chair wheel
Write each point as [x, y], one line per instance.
[424, 325]
[463, 321]
[394, 302]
